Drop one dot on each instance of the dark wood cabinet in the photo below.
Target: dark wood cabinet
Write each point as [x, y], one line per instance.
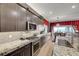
[42, 41]
[0, 17]
[13, 17]
[24, 51]
[8, 21]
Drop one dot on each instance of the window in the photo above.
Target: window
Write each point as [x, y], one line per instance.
[63, 29]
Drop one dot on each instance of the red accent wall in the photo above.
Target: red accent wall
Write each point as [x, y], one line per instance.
[75, 23]
[46, 22]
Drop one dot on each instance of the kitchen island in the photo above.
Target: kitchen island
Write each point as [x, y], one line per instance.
[64, 51]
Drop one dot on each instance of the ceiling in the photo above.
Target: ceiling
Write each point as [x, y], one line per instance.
[56, 12]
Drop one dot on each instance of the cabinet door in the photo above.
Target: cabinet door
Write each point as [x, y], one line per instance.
[8, 17]
[13, 17]
[0, 17]
[42, 40]
[28, 50]
[21, 19]
[24, 51]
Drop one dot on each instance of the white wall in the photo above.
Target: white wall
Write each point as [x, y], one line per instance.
[42, 27]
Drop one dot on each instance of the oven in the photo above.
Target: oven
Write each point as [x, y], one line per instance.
[35, 47]
[35, 42]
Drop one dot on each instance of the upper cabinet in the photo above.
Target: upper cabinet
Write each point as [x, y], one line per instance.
[0, 17]
[8, 17]
[13, 17]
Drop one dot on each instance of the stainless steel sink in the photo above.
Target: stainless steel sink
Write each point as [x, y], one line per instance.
[29, 38]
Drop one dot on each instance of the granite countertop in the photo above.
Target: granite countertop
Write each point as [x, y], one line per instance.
[64, 51]
[12, 46]
[8, 47]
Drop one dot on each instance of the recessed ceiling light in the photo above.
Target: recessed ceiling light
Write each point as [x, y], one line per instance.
[57, 17]
[73, 6]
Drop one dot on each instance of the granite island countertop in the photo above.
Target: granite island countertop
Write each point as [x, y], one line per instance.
[64, 51]
[12, 46]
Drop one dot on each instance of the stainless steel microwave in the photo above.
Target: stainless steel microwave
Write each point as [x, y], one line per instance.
[31, 26]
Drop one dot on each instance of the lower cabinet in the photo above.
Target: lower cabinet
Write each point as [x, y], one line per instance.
[24, 51]
[42, 41]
